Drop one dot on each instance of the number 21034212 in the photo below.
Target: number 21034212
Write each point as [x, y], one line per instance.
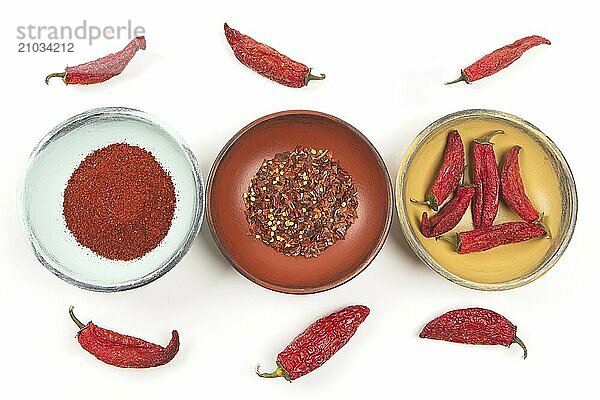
[52, 47]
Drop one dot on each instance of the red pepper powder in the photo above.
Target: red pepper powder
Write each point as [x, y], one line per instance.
[119, 202]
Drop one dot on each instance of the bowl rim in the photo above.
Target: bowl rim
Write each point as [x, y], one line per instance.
[290, 290]
[410, 235]
[62, 129]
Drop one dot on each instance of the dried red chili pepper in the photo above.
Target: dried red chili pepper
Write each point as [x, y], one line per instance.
[449, 215]
[513, 191]
[449, 174]
[486, 180]
[494, 236]
[267, 61]
[318, 343]
[498, 59]
[101, 69]
[473, 326]
[121, 350]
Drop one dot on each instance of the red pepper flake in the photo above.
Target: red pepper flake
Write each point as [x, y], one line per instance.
[301, 202]
[121, 350]
[496, 235]
[119, 202]
[513, 190]
[267, 61]
[318, 343]
[473, 326]
[498, 59]
[102, 69]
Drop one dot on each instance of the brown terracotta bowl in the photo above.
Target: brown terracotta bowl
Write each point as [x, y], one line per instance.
[239, 161]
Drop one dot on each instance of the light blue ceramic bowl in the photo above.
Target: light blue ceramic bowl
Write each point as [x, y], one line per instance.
[50, 166]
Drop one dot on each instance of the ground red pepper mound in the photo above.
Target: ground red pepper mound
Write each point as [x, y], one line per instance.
[301, 202]
[119, 202]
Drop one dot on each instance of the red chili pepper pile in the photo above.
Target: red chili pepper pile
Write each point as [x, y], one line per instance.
[485, 198]
[301, 202]
[121, 350]
[102, 69]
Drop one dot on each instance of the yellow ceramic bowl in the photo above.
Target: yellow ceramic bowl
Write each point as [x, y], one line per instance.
[548, 182]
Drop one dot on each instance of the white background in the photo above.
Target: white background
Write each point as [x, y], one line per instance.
[385, 67]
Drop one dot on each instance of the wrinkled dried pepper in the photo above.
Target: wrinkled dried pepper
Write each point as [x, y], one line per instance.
[449, 215]
[267, 61]
[486, 180]
[473, 326]
[513, 191]
[121, 350]
[496, 235]
[321, 340]
[449, 174]
[498, 59]
[101, 69]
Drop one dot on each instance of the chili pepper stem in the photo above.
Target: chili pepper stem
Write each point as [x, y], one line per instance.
[488, 136]
[539, 222]
[520, 343]
[430, 201]
[62, 75]
[422, 203]
[453, 239]
[280, 372]
[310, 77]
[461, 78]
[79, 324]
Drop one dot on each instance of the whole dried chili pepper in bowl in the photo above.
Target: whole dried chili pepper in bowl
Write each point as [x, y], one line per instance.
[449, 174]
[121, 350]
[102, 69]
[498, 59]
[486, 180]
[513, 190]
[449, 215]
[473, 326]
[267, 61]
[496, 235]
[318, 343]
